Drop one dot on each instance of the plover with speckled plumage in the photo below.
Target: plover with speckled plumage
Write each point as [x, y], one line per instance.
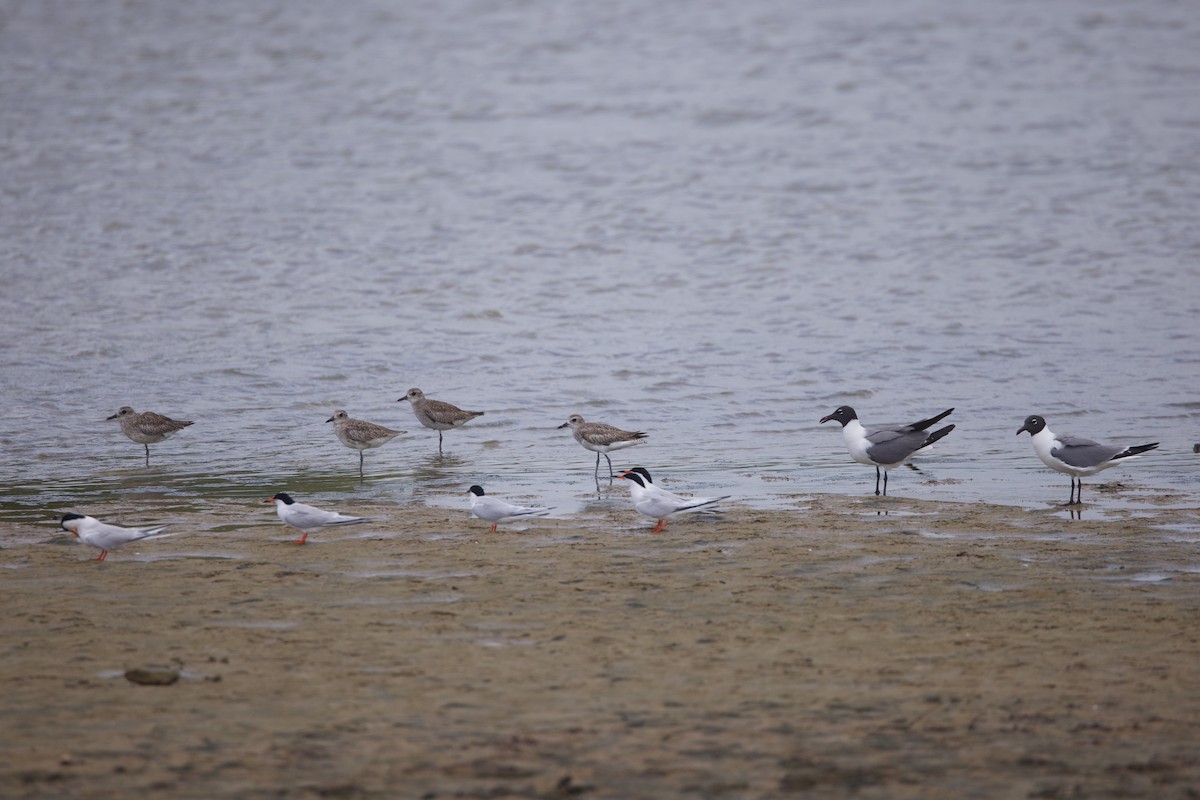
[601, 439]
[359, 434]
[436, 414]
[147, 428]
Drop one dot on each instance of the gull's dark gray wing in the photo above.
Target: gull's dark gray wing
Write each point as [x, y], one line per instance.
[1079, 452]
[893, 446]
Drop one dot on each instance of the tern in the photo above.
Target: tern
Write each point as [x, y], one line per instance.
[102, 536]
[1074, 455]
[147, 428]
[360, 434]
[495, 510]
[601, 439]
[887, 446]
[661, 504]
[436, 414]
[308, 519]
[651, 488]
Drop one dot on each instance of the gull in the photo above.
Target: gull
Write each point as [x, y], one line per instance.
[601, 438]
[889, 445]
[147, 428]
[651, 488]
[360, 434]
[494, 510]
[1074, 455]
[308, 519]
[436, 414]
[661, 505]
[102, 536]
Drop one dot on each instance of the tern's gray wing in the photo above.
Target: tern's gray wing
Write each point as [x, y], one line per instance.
[1079, 452]
[893, 446]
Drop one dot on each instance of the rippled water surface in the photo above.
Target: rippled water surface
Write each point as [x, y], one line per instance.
[714, 222]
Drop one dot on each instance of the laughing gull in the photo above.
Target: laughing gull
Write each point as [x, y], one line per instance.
[1074, 455]
[887, 446]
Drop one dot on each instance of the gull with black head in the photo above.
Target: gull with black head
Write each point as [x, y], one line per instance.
[1075, 455]
[887, 446]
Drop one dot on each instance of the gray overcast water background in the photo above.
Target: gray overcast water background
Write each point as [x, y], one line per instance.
[712, 221]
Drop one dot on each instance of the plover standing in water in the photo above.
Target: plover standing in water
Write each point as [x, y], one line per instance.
[147, 428]
[495, 510]
[360, 434]
[887, 446]
[102, 536]
[601, 439]
[436, 414]
[308, 519]
[1075, 455]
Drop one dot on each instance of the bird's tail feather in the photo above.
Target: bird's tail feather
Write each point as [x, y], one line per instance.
[925, 423]
[938, 434]
[1136, 450]
[350, 521]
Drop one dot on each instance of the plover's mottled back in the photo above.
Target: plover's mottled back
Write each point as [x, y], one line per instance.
[360, 434]
[601, 438]
[436, 414]
[147, 428]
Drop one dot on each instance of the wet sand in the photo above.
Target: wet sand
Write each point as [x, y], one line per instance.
[943, 650]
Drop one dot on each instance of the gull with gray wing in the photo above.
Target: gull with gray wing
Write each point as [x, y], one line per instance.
[887, 446]
[1075, 455]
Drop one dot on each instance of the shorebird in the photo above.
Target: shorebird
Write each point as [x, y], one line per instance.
[654, 489]
[1074, 455]
[360, 434]
[601, 439]
[102, 536]
[494, 510]
[147, 428]
[308, 519]
[660, 504]
[436, 414]
[887, 446]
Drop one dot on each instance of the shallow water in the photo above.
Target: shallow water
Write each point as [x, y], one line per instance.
[714, 223]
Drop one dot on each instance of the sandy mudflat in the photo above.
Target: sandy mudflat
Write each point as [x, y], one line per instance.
[944, 650]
